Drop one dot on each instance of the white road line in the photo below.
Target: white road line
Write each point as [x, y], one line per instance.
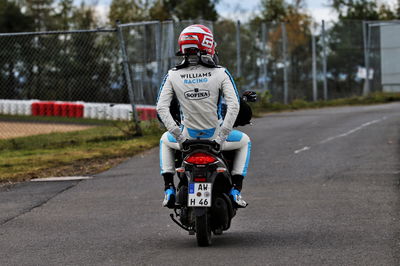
[306, 148]
[353, 130]
[63, 178]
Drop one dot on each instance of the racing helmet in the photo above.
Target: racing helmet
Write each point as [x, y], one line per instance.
[196, 38]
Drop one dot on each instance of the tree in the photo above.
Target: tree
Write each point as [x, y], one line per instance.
[193, 9]
[64, 16]
[225, 36]
[363, 10]
[297, 23]
[385, 13]
[42, 12]
[160, 11]
[141, 10]
[87, 68]
[398, 9]
[274, 10]
[128, 11]
[11, 20]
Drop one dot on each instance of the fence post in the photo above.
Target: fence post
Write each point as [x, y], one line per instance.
[314, 68]
[158, 51]
[172, 43]
[238, 57]
[324, 63]
[128, 80]
[285, 71]
[264, 54]
[143, 77]
[366, 57]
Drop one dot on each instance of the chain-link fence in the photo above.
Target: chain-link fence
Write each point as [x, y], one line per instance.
[150, 50]
[62, 66]
[109, 71]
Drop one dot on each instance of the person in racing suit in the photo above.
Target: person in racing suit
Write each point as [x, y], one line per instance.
[199, 85]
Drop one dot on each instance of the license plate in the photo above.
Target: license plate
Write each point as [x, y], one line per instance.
[200, 194]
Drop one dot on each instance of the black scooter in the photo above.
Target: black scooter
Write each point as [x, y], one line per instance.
[203, 204]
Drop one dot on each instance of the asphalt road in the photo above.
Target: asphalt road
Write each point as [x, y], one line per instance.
[323, 188]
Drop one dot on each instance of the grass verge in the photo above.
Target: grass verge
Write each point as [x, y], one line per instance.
[97, 149]
[73, 153]
[54, 119]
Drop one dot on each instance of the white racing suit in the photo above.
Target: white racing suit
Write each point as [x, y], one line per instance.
[199, 90]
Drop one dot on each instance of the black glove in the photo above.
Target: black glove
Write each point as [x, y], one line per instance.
[217, 146]
[249, 96]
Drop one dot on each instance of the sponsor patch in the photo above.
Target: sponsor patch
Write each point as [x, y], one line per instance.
[197, 94]
[195, 75]
[195, 81]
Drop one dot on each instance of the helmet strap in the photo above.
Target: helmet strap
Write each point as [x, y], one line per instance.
[201, 58]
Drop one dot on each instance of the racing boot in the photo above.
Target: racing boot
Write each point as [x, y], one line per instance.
[169, 191]
[237, 198]
[169, 197]
[237, 181]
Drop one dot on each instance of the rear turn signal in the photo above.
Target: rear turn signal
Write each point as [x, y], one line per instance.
[180, 170]
[221, 169]
[200, 158]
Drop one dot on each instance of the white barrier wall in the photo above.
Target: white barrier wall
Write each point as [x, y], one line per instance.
[103, 111]
[16, 107]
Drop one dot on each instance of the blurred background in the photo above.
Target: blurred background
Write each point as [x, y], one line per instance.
[99, 59]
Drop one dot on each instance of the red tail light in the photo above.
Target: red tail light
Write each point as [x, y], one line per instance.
[200, 158]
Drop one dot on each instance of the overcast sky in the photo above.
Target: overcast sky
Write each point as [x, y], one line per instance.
[317, 8]
[242, 9]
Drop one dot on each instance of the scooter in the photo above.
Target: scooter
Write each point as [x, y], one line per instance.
[203, 205]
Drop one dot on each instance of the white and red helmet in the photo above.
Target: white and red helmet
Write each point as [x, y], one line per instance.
[197, 36]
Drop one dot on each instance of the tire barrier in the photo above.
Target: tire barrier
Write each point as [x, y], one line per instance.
[101, 111]
[15, 107]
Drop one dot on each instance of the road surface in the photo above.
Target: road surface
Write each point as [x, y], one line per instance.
[323, 188]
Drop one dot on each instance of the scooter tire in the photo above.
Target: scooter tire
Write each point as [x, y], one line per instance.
[203, 230]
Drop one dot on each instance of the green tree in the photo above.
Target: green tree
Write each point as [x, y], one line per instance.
[225, 36]
[87, 68]
[141, 10]
[11, 20]
[297, 23]
[128, 11]
[64, 16]
[398, 9]
[193, 9]
[161, 11]
[42, 12]
[274, 10]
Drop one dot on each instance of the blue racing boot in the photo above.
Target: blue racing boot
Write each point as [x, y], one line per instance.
[237, 198]
[169, 198]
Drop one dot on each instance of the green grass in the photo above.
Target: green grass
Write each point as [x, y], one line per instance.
[97, 149]
[80, 152]
[264, 105]
[54, 119]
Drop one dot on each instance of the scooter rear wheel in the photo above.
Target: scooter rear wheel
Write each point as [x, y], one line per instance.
[203, 230]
